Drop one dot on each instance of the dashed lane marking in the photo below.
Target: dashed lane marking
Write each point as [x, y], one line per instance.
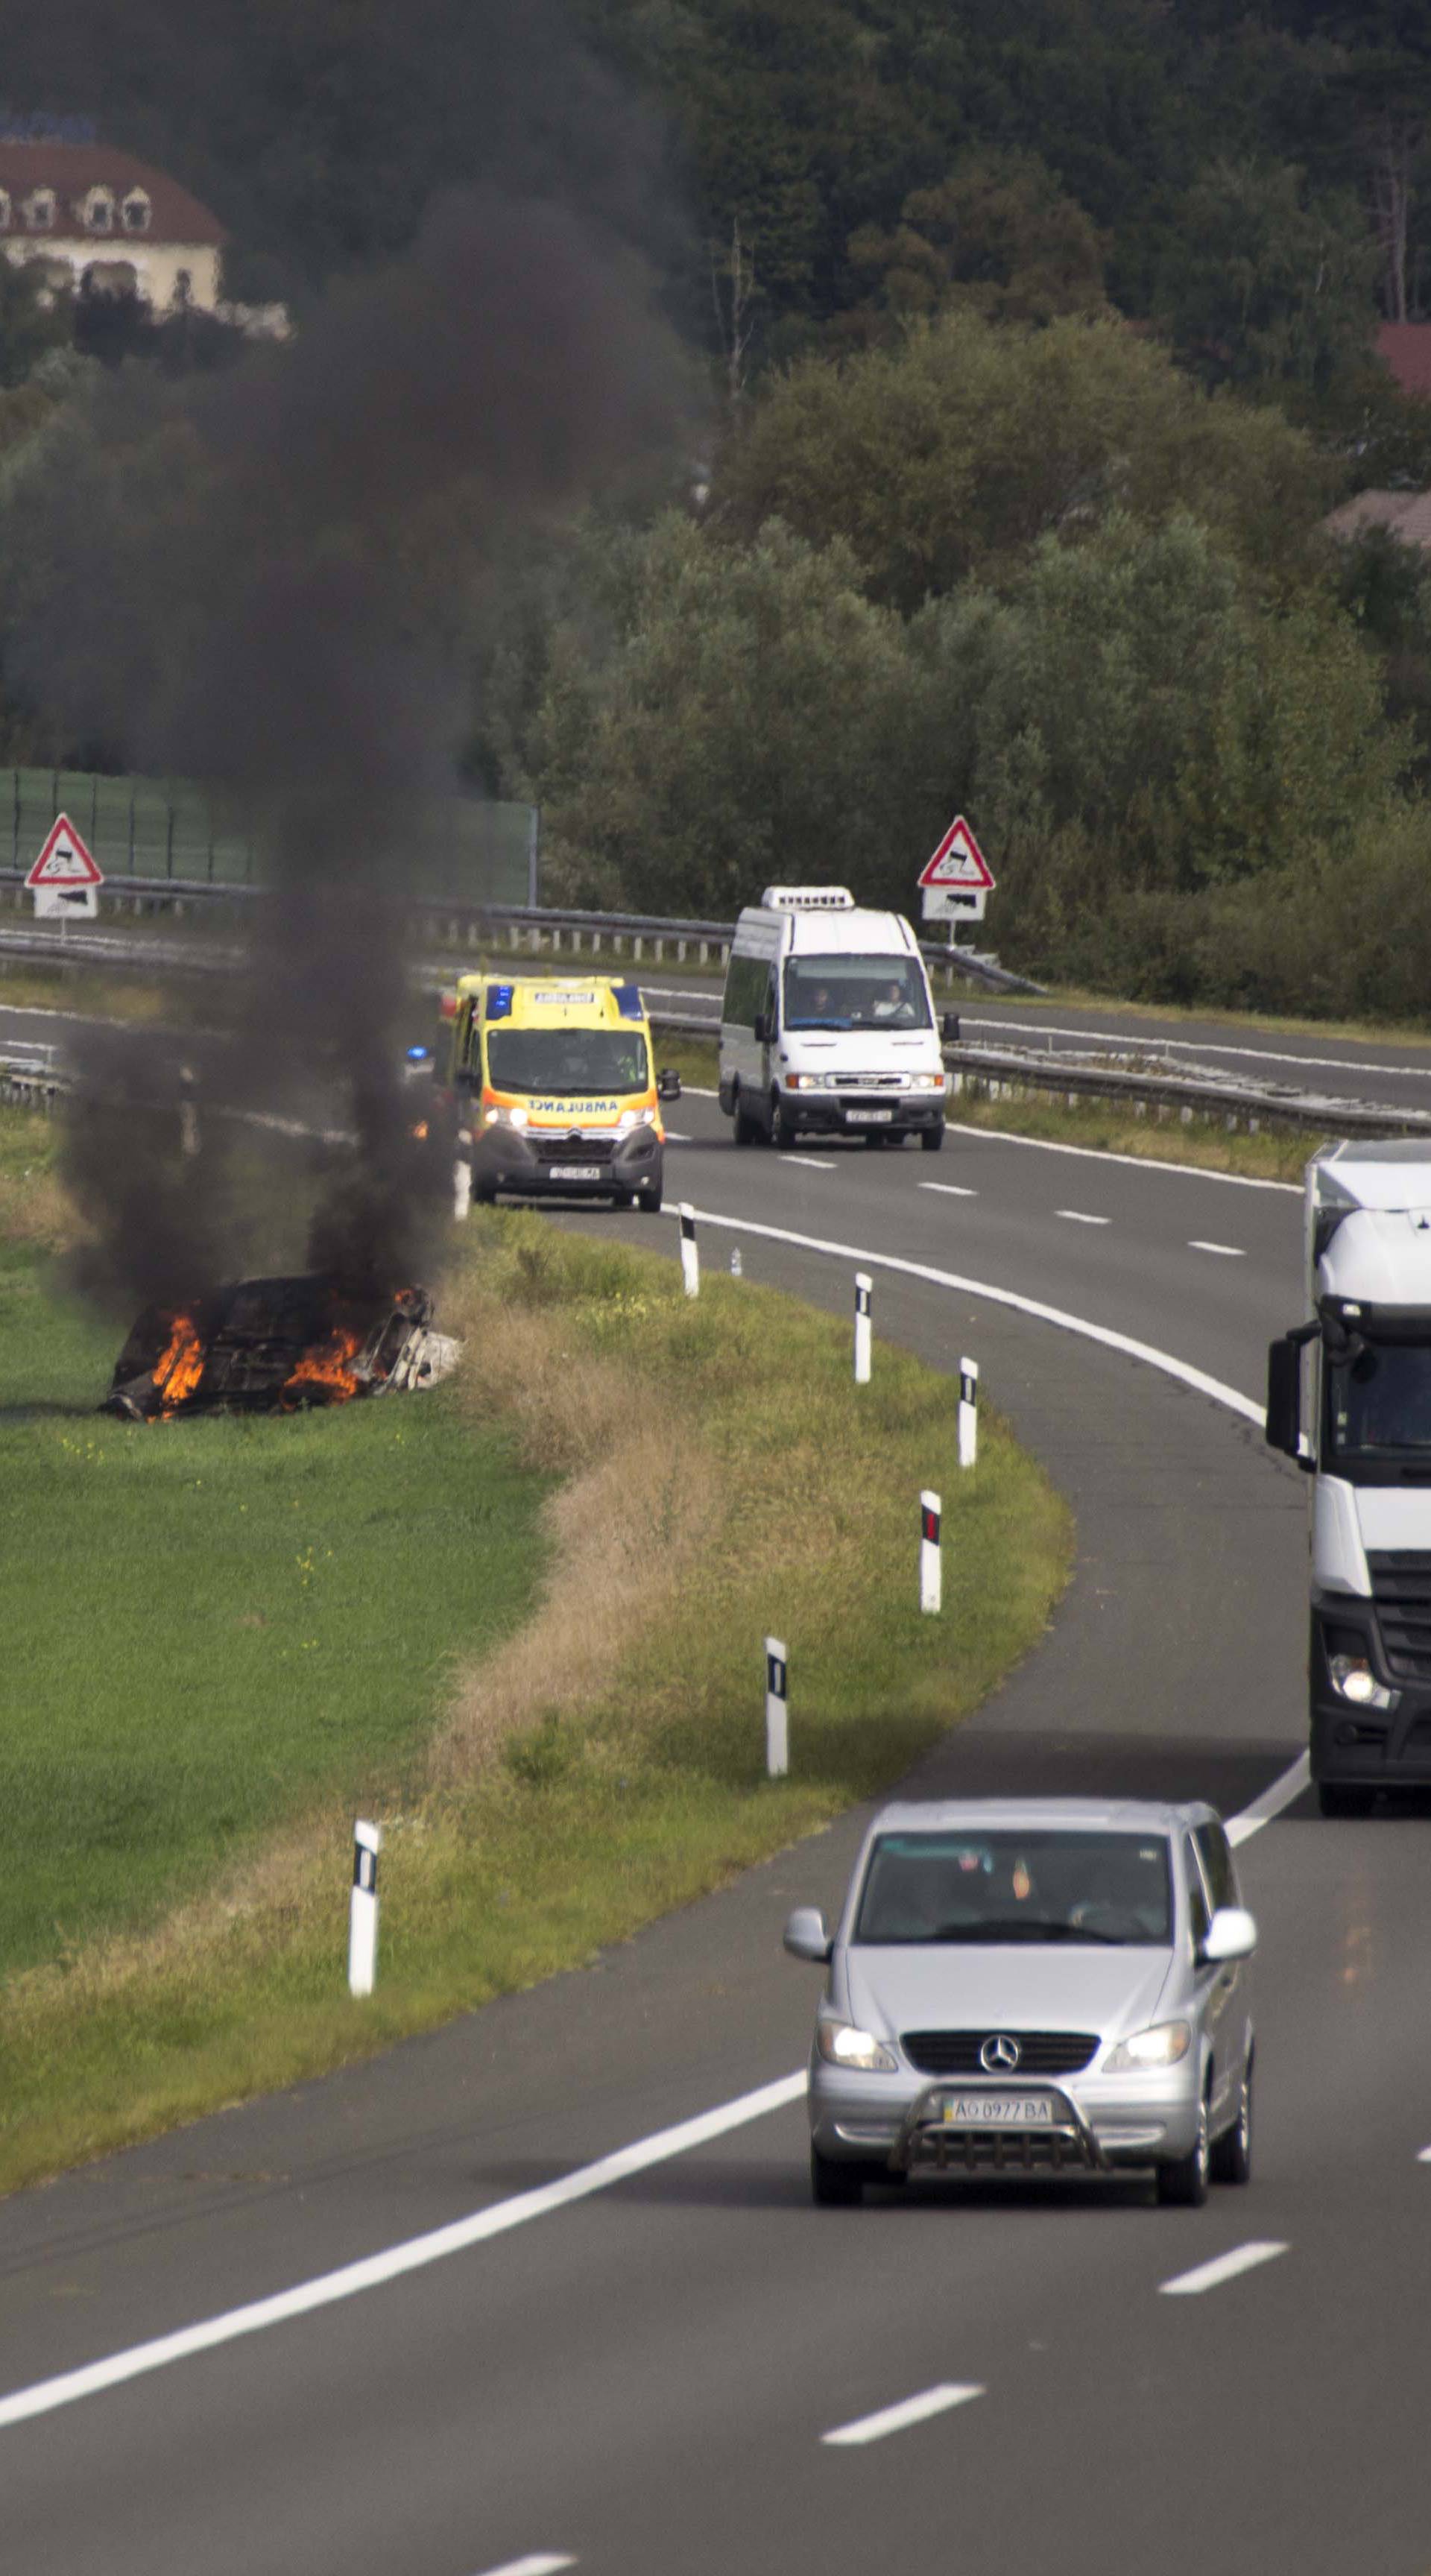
[544, 2562]
[897, 2419]
[1223, 2267]
[947, 1189]
[1076, 1216]
[1229, 1251]
[1424, 2158]
[808, 1163]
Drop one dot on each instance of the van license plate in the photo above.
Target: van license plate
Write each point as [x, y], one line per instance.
[869, 1117]
[998, 2111]
[574, 1172]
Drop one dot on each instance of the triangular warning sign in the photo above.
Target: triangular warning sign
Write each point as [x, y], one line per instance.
[958, 861]
[64, 860]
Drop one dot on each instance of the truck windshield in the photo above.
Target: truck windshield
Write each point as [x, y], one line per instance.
[1379, 1412]
[568, 1060]
[855, 993]
[1042, 1885]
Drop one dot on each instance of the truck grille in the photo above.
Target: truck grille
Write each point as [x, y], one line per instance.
[1401, 1589]
[956, 2052]
[594, 1150]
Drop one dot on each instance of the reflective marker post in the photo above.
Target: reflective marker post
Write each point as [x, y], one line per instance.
[968, 1412]
[363, 1909]
[931, 1561]
[863, 1290]
[690, 1252]
[777, 1724]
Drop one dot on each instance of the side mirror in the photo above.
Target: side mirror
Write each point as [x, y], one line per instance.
[1231, 1934]
[1284, 1397]
[949, 1028]
[806, 1936]
[764, 1029]
[668, 1084]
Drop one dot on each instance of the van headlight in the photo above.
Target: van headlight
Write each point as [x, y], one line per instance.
[842, 2043]
[928, 1081]
[631, 1118]
[506, 1117]
[1163, 2045]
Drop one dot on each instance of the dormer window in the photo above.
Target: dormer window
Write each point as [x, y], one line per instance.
[40, 210]
[97, 211]
[135, 212]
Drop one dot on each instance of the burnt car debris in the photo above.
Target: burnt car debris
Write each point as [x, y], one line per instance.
[276, 1345]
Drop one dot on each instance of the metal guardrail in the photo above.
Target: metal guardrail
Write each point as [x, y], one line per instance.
[469, 923]
[1008, 1069]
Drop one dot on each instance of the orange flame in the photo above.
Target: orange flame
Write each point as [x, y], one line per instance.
[180, 1364]
[327, 1365]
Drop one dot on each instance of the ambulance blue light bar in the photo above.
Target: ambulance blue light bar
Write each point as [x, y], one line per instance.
[628, 1000]
[499, 1001]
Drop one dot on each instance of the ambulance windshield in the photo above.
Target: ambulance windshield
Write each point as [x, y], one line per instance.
[569, 1061]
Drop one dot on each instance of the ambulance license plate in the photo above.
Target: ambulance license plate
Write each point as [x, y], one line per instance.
[574, 1172]
[869, 1117]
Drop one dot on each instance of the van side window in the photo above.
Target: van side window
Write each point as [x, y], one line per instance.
[747, 986]
[1217, 1866]
[1198, 1916]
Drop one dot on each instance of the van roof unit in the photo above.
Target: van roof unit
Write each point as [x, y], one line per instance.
[807, 899]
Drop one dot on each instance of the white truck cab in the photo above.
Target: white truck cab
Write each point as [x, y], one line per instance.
[828, 1024]
[1349, 1397]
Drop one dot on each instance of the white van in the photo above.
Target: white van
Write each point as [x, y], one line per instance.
[827, 1026]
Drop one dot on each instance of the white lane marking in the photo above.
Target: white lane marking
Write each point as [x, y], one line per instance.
[895, 2419]
[1424, 2158]
[544, 2562]
[1125, 1039]
[1290, 1784]
[1229, 1251]
[695, 1091]
[1134, 1162]
[675, 1137]
[1076, 1216]
[1131, 1348]
[1223, 2267]
[808, 1163]
[947, 1189]
[375, 2269]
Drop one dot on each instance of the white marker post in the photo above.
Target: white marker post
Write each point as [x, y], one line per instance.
[690, 1250]
[462, 1183]
[777, 1720]
[363, 1909]
[968, 1412]
[931, 1560]
[863, 1289]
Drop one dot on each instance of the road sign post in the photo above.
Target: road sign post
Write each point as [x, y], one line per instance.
[65, 880]
[956, 883]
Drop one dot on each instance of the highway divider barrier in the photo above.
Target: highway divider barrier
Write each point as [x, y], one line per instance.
[864, 1290]
[777, 1721]
[931, 1554]
[968, 1412]
[363, 1909]
[690, 1250]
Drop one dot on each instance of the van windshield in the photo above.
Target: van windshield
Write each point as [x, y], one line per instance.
[849, 992]
[568, 1060]
[1041, 1884]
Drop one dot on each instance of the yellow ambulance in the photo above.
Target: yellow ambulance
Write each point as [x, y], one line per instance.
[554, 1088]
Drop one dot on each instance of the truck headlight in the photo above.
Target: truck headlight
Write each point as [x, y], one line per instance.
[841, 2043]
[1163, 2045]
[1353, 1677]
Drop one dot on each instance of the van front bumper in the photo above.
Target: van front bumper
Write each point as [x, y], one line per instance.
[863, 1113]
[1137, 2118]
[538, 1163]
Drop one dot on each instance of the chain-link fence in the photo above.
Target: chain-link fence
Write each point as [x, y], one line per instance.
[471, 851]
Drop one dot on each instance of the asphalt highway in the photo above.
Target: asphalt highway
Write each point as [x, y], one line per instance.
[636, 2372]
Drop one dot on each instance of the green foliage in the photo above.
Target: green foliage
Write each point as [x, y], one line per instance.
[954, 452]
[34, 319]
[1260, 288]
[998, 235]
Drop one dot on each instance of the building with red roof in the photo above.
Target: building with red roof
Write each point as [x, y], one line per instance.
[1405, 347]
[102, 220]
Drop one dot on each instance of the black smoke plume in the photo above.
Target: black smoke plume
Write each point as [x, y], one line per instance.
[261, 560]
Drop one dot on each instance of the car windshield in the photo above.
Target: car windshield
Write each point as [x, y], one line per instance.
[1040, 1885]
[567, 1060]
[855, 993]
[1379, 1410]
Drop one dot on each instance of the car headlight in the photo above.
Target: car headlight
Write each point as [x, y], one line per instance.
[841, 2043]
[1353, 1677]
[1163, 2045]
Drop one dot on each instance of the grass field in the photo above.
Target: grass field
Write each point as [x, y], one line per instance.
[547, 1783]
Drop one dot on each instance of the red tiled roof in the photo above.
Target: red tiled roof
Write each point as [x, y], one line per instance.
[72, 169]
[1404, 514]
[1405, 348]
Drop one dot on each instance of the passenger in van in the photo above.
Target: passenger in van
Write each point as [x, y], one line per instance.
[891, 1003]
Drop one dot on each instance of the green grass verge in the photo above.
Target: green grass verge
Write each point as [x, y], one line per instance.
[724, 1477]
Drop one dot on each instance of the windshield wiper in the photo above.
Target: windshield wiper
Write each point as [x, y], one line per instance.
[1035, 1928]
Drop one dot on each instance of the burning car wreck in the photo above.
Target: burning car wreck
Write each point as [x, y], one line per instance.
[275, 1345]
